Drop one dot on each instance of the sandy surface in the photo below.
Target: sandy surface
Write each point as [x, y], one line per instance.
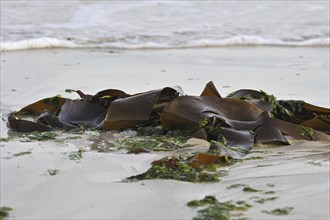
[91, 188]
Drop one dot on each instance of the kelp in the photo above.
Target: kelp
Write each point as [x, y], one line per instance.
[128, 112]
[236, 122]
[210, 90]
[295, 111]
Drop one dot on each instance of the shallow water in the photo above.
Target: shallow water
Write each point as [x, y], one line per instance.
[163, 24]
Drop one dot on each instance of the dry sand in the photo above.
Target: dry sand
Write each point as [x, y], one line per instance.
[91, 188]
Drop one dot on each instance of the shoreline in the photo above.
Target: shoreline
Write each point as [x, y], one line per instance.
[56, 44]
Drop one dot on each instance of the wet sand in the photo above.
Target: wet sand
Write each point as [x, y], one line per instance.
[91, 187]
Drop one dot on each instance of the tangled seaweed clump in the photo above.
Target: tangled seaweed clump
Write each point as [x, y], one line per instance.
[165, 119]
[242, 118]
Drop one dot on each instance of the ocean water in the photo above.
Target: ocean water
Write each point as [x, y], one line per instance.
[163, 24]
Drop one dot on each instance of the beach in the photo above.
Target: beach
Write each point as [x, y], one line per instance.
[92, 187]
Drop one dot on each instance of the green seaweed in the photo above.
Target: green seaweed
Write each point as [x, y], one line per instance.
[270, 99]
[203, 123]
[54, 101]
[4, 212]
[236, 185]
[178, 168]
[308, 131]
[217, 210]
[182, 172]
[263, 200]
[214, 212]
[250, 189]
[40, 136]
[241, 206]
[53, 172]
[278, 111]
[210, 167]
[2, 139]
[280, 211]
[208, 200]
[76, 155]
[22, 153]
[269, 192]
[155, 142]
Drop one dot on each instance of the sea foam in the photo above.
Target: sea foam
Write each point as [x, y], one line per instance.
[41, 43]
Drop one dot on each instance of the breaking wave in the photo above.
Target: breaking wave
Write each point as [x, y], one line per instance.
[41, 43]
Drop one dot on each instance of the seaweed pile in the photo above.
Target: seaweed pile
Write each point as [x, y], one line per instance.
[238, 121]
[241, 119]
[165, 119]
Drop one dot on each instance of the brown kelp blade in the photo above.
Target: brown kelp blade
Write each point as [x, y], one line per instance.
[52, 104]
[21, 125]
[57, 113]
[297, 131]
[53, 121]
[238, 138]
[309, 115]
[105, 97]
[269, 135]
[131, 111]
[186, 112]
[81, 113]
[296, 111]
[263, 101]
[320, 123]
[301, 108]
[210, 90]
[202, 159]
[24, 119]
